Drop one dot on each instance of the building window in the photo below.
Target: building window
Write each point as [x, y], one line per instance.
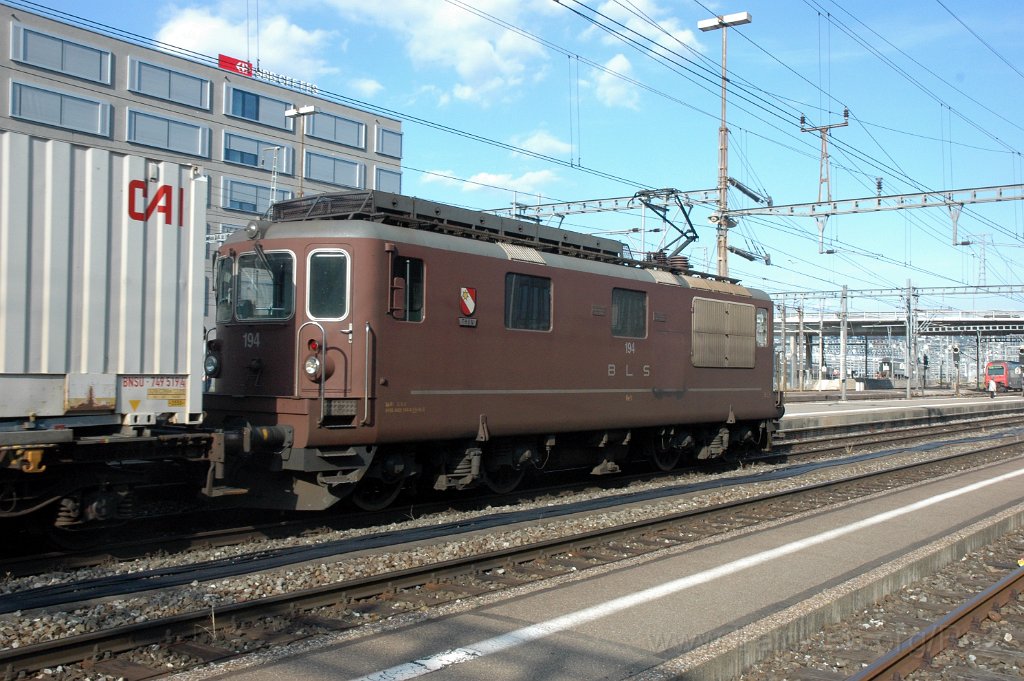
[527, 302]
[59, 54]
[255, 107]
[334, 170]
[629, 313]
[388, 181]
[164, 83]
[215, 238]
[166, 133]
[327, 296]
[247, 151]
[409, 274]
[60, 110]
[249, 197]
[337, 129]
[389, 143]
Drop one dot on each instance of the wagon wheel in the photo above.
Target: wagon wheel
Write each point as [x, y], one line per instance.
[504, 478]
[663, 456]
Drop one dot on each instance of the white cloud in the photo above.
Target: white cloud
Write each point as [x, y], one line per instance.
[543, 142]
[284, 47]
[667, 31]
[533, 182]
[366, 87]
[489, 61]
[612, 90]
[444, 178]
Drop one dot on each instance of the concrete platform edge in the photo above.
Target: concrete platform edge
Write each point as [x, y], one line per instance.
[728, 656]
[905, 415]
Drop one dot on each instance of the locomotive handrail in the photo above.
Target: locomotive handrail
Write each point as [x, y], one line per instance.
[366, 377]
[322, 356]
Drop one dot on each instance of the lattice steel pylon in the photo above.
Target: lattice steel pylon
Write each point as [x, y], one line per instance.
[825, 174]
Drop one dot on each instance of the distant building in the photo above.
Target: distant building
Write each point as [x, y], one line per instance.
[66, 82]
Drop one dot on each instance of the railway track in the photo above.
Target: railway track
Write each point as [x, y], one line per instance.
[231, 629]
[961, 622]
[839, 441]
[925, 650]
[152, 536]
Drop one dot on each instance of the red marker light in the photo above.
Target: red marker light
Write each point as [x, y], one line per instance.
[313, 345]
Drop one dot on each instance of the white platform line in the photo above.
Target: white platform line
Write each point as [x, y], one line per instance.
[447, 658]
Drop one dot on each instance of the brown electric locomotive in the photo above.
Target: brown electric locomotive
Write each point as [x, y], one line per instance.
[367, 340]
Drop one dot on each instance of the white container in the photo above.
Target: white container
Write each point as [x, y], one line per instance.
[101, 285]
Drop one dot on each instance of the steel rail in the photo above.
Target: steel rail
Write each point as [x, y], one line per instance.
[918, 651]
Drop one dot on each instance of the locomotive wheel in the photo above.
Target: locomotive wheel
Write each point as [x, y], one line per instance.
[375, 493]
[504, 479]
[382, 483]
[663, 456]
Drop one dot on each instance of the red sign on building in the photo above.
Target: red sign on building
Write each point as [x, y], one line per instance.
[238, 66]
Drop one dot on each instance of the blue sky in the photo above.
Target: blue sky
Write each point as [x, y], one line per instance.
[612, 96]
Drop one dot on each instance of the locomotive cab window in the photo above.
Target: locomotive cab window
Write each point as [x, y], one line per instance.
[224, 289]
[327, 294]
[407, 289]
[266, 286]
[761, 328]
[527, 302]
[629, 313]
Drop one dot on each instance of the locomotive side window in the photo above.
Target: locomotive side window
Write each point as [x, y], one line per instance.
[224, 289]
[266, 286]
[410, 273]
[761, 328]
[527, 302]
[629, 313]
[327, 295]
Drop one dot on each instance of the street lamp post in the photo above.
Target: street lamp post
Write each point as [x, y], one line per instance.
[721, 217]
[301, 112]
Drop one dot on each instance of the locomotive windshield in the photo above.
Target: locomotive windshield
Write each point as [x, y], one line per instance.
[266, 286]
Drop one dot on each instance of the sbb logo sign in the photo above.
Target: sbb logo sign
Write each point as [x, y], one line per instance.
[237, 65]
[141, 207]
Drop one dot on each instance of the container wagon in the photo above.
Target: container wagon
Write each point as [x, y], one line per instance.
[101, 326]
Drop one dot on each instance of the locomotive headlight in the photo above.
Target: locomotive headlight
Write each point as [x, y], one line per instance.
[211, 366]
[312, 367]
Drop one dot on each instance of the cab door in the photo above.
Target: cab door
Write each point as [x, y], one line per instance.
[327, 344]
